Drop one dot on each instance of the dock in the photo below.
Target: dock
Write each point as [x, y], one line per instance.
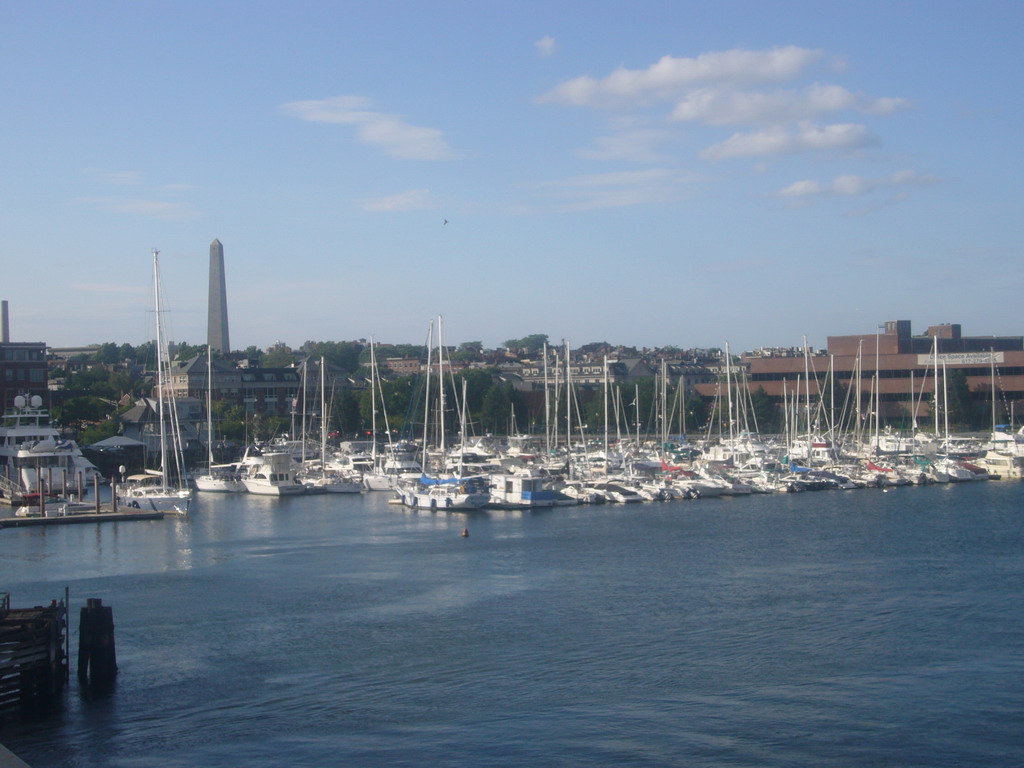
[105, 515]
[33, 656]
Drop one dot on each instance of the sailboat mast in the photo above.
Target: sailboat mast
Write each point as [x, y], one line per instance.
[547, 406]
[440, 391]
[160, 370]
[992, 360]
[373, 403]
[945, 403]
[606, 415]
[209, 405]
[935, 399]
[426, 398]
[323, 420]
[728, 389]
[568, 411]
[664, 407]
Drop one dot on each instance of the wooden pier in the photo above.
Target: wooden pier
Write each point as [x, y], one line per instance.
[33, 656]
[105, 515]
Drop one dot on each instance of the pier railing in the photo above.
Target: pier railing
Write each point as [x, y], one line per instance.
[11, 489]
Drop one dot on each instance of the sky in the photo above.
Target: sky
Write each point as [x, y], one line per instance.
[651, 173]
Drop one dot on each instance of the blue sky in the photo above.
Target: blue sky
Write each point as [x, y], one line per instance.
[646, 174]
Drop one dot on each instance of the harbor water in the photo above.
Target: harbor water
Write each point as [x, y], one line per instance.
[840, 628]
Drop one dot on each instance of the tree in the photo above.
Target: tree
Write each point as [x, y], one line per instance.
[342, 354]
[107, 353]
[496, 410]
[528, 345]
[78, 412]
[468, 351]
[959, 395]
[278, 355]
[396, 396]
[764, 411]
[101, 431]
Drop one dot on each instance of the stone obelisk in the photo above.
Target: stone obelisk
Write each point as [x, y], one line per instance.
[217, 321]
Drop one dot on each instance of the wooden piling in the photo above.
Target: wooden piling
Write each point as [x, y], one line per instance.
[97, 658]
[33, 658]
[96, 490]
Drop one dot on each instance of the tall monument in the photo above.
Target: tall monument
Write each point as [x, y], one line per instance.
[217, 321]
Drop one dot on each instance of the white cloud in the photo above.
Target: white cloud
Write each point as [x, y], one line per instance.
[670, 76]
[154, 209]
[856, 186]
[637, 146]
[803, 188]
[617, 190]
[545, 46]
[716, 106]
[119, 178]
[781, 141]
[389, 132]
[412, 200]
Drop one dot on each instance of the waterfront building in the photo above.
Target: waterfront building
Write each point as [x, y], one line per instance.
[905, 364]
[22, 365]
[276, 391]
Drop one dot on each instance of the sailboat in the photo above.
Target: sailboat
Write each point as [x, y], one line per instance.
[439, 491]
[328, 481]
[398, 460]
[153, 490]
[222, 478]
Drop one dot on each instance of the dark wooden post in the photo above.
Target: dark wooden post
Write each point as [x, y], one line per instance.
[97, 658]
[96, 483]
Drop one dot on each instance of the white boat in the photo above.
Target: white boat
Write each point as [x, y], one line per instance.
[1004, 466]
[332, 482]
[150, 492]
[31, 448]
[154, 490]
[1006, 443]
[512, 491]
[400, 463]
[452, 494]
[581, 493]
[320, 479]
[272, 474]
[618, 493]
[220, 478]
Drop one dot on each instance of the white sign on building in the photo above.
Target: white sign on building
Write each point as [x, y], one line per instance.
[962, 358]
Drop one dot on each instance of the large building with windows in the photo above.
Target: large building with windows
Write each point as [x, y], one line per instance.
[22, 370]
[22, 365]
[909, 372]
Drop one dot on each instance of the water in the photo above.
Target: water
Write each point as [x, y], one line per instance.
[831, 629]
